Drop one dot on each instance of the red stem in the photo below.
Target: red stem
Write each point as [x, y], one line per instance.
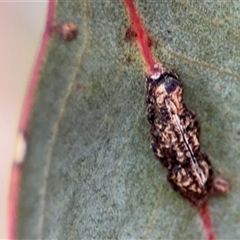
[26, 110]
[205, 217]
[143, 39]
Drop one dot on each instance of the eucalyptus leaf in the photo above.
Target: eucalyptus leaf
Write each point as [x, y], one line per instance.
[89, 171]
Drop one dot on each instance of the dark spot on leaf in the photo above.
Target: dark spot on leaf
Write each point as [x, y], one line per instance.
[128, 59]
[80, 86]
[167, 35]
[169, 32]
[88, 12]
[152, 43]
[130, 35]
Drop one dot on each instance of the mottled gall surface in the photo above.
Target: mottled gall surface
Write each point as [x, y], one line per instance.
[175, 140]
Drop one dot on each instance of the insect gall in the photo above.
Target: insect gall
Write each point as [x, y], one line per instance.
[67, 31]
[175, 140]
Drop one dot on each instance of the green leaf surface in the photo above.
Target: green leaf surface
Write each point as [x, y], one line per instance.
[89, 171]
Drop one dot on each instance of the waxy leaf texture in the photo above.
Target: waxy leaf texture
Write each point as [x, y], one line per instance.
[89, 170]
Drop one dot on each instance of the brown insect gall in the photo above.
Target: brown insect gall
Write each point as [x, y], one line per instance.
[220, 186]
[67, 31]
[175, 140]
